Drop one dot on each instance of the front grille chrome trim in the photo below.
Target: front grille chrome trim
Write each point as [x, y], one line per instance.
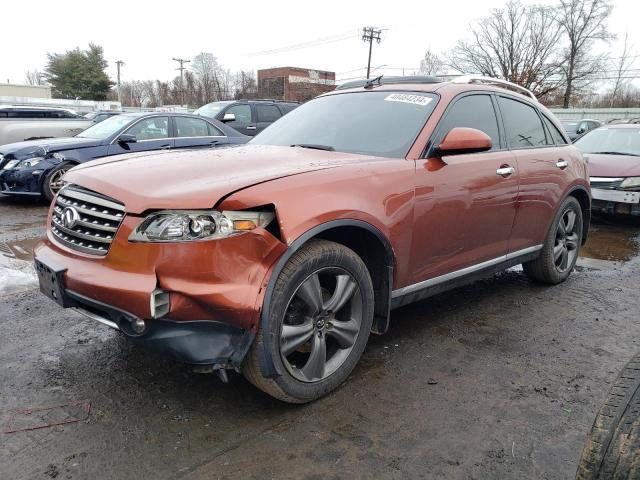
[97, 219]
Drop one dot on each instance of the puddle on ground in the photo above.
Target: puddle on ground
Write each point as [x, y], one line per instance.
[19, 249]
[610, 244]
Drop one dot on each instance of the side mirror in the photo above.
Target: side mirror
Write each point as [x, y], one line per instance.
[462, 140]
[126, 138]
[229, 117]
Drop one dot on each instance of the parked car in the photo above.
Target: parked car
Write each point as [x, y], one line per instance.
[576, 128]
[247, 116]
[613, 153]
[28, 123]
[279, 257]
[36, 168]
[99, 116]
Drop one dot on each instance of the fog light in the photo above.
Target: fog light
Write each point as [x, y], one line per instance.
[138, 325]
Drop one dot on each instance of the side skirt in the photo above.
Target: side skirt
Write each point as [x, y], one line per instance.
[465, 276]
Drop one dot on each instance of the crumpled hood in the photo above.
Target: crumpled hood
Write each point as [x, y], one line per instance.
[197, 178]
[50, 145]
[600, 165]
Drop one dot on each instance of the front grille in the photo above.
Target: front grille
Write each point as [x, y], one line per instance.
[606, 183]
[84, 220]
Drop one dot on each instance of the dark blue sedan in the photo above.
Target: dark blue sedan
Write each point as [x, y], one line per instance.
[36, 167]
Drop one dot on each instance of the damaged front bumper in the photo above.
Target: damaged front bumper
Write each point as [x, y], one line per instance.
[214, 291]
[615, 201]
[27, 181]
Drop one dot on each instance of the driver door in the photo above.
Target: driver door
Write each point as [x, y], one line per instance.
[151, 133]
[464, 208]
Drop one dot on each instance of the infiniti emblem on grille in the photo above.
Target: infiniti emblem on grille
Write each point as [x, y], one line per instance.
[70, 217]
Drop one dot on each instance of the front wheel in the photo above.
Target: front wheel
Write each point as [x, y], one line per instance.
[561, 248]
[319, 322]
[53, 180]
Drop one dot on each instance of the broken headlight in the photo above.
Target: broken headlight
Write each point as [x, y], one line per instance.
[194, 225]
[630, 182]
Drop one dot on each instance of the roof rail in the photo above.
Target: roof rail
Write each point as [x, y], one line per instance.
[494, 81]
[382, 80]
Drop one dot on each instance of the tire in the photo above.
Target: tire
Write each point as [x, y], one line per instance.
[547, 267]
[53, 176]
[612, 448]
[340, 274]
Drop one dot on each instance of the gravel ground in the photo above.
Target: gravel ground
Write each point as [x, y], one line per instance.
[501, 379]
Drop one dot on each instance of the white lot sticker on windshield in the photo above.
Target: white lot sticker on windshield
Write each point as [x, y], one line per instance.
[408, 98]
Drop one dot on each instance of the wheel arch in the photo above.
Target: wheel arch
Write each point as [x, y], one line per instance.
[365, 240]
[581, 194]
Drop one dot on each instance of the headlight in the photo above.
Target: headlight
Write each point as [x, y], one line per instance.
[194, 225]
[630, 182]
[18, 164]
[29, 162]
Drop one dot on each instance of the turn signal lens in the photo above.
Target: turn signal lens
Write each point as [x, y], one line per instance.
[244, 225]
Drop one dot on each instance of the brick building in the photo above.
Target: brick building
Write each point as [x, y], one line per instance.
[292, 83]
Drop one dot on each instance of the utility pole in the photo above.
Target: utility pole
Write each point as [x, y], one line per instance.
[119, 63]
[181, 61]
[369, 34]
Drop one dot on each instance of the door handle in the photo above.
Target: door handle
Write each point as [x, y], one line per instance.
[505, 171]
[562, 164]
[251, 127]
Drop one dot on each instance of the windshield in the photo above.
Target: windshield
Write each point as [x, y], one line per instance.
[106, 128]
[570, 127]
[369, 123]
[624, 141]
[211, 109]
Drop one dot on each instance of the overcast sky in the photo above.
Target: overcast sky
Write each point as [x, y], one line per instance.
[147, 35]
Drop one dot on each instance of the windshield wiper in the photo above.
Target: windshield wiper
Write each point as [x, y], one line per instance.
[314, 146]
[617, 153]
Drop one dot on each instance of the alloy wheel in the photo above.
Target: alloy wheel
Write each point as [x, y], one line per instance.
[321, 324]
[565, 249]
[55, 181]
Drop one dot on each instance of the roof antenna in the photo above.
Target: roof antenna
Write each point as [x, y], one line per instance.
[369, 83]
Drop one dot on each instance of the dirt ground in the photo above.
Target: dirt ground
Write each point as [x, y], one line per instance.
[501, 379]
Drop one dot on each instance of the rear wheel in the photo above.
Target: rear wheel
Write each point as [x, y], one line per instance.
[562, 245]
[53, 180]
[319, 322]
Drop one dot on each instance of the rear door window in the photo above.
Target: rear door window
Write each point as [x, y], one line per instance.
[472, 111]
[191, 127]
[522, 123]
[267, 113]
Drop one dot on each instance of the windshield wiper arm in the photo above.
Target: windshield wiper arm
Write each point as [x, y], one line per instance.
[314, 146]
[617, 153]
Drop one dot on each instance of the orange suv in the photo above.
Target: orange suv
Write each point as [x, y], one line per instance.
[278, 258]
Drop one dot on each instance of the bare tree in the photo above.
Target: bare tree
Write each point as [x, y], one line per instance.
[209, 75]
[34, 77]
[431, 64]
[517, 43]
[583, 22]
[623, 65]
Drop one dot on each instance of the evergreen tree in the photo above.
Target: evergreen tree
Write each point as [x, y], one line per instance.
[79, 74]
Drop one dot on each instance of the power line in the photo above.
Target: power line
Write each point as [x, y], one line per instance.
[369, 34]
[308, 44]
